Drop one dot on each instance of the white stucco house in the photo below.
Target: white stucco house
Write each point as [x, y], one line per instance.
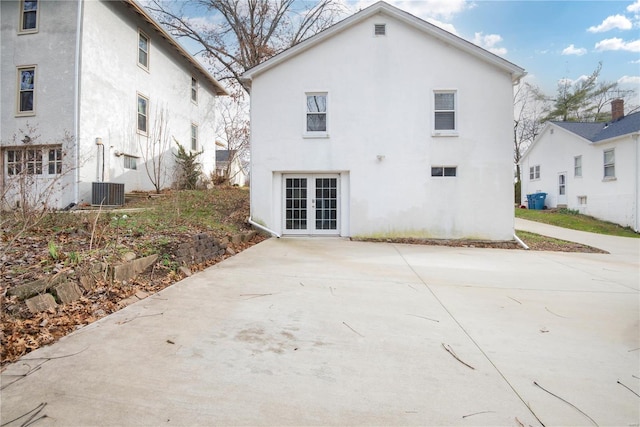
[589, 167]
[383, 125]
[93, 91]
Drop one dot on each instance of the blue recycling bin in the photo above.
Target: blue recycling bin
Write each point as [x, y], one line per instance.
[536, 200]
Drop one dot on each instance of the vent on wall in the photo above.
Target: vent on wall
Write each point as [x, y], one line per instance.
[380, 29]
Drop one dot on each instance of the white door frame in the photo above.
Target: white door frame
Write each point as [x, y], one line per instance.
[304, 206]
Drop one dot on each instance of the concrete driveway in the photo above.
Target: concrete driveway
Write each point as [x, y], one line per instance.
[333, 332]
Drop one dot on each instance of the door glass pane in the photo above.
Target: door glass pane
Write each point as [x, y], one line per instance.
[326, 204]
[296, 204]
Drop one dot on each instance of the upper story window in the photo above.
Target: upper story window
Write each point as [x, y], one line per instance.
[26, 91]
[316, 113]
[194, 89]
[194, 137]
[534, 172]
[577, 166]
[28, 16]
[444, 106]
[609, 164]
[143, 107]
[143, 50]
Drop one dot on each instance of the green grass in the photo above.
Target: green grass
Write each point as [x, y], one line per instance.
[575, 221]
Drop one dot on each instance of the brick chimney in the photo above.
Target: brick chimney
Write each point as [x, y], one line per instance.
[617, 109]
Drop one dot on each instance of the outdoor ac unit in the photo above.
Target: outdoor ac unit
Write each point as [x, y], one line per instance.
[107, 194]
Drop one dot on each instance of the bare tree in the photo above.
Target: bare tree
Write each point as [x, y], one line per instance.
[241, 34]
[233, 130]
[155, 148]
[530, 106]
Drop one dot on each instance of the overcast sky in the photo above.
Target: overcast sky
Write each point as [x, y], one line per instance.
[551, 40]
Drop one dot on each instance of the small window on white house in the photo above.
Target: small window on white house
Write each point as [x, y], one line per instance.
[316, 113]
[194, 90]
[55, 161]
[194, 137]
[582, 200]
[34, 161]
[577, 166]
[143, 107]
[143, 50]
[28, 16]
[444, 171]
[380, 29]
[609, 164]
[26, 91]
[444, 111]
[130, 162]
[534, 172]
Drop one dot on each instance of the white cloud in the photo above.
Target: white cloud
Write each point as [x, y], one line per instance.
[611, 22]
[447, 27]
[637, 61]
[572, 50]
[629, 80]
[489, 43]
[422, 9]
[618, 44]
[634, 8]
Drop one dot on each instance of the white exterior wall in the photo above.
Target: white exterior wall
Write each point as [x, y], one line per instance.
[380, 102]
[609, 200]
[52, 51]
[103, 102]
[111, 82]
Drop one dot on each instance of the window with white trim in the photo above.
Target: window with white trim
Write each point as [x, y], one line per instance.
[130, 162]
[577, 166]
[316, 113]
[143, 49]
[44, 161]
[28, 16]
[444, 107]
[26, 90]
[194, 89]
[444, 171]
[142, 114]
[194, 136]
[582, 200]
[534, 172]
[609, 164]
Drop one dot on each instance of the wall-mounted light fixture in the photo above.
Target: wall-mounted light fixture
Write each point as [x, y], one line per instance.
[380, 157]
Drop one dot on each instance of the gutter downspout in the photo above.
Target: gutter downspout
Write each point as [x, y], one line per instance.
[76, 103]
[263, 228]
[520, 242]
[635, 137]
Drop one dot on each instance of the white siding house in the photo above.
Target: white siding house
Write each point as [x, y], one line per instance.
[383, 126]
[84, 84]
[589, 167]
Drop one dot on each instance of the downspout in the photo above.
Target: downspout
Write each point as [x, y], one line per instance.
[637, 184]
[520, 242]
[263, 228]
[76, 106]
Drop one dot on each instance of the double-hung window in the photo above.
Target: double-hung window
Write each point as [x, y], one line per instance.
[609, 164]
[143, 107]
[194, 90]
[28, 16]
[445, 112]
[143, 50]
[534, 172]
[577, 166]
[316, 114]
[26, 90]
[194, 137]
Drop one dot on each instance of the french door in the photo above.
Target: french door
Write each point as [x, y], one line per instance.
[311, 204]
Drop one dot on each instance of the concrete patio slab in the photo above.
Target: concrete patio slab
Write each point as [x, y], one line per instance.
[333, 332]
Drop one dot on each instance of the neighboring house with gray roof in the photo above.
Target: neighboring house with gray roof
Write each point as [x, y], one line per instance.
[589, 167]
[229, 166]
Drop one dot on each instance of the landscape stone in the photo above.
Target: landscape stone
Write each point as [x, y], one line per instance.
[68, 292]
[41, 303]
[185, 271]
[236, 238]
[129, 256]
[29, 289]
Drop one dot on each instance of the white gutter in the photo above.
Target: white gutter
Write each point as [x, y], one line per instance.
[635, 137]
[520, 242]
[76, 106]
[263, 228]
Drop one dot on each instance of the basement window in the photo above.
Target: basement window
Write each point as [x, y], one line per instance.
[380, 29]
[444, 171]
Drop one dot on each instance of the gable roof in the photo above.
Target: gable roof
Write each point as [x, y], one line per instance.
[381, 7]
[139, 10]
[596, 132]
[223, 155]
